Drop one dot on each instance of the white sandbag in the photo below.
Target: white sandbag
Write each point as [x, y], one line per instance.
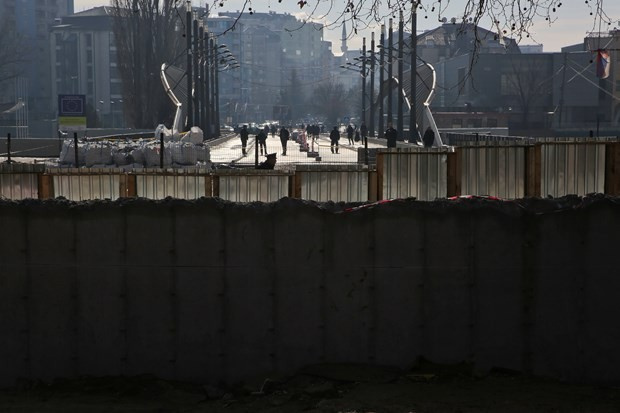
[122, 156]
[97, 154]
[152, 157]
[203, 153]
[161, 128]
[183, 153]
[194, 136]
[67, 153]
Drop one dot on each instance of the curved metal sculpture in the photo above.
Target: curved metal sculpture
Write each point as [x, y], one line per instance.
[426, 81]
[172, 78]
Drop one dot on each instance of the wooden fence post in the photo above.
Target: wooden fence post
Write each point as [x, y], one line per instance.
[295, 191]
[612, 168]
[45, 186]
[127, 186]
[454, 173]
[533, 170]
[215, 185]
[379, 180]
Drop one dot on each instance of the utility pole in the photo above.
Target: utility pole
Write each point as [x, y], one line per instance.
[207, 92]
[399, 100]
[188, 34]
[363, 80]
[201, 83]
[196, 82]
[381, 80]
[371, 125]
[390, 72]
[413, 125]
[212, 67]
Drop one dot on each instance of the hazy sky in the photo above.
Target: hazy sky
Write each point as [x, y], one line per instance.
[572, 24]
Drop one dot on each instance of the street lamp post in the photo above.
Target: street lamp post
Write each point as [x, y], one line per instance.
[196, 83]
[413, 128]
[381, 79]
[200, 85]
[399, 100]
[188, 34]
[207, 93]
[390, 71]
[371, 126]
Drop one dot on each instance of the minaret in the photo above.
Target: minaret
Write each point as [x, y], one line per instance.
[343, 44]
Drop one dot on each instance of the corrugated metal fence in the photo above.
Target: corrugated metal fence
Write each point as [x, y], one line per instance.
[502, 169]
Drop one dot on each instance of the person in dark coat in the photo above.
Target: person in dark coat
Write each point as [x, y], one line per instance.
[364, 131]
[284, 136]
[268, 163]
[391, 135]
[429, 137]
[244, 135]
[334, 136]
[262, 141]
[350, 131]
[273, 130]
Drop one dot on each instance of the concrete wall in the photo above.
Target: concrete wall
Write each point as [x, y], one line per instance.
[213, 291]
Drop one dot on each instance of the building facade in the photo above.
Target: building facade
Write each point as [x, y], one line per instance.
[29, 21]
[84, 61]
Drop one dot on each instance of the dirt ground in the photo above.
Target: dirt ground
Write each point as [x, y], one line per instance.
[320, 389]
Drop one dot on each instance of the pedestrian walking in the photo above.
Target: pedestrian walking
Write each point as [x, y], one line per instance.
[244, 135]
[316, 132]
[262, 141]
[364, 131]
[334, 137]
[350, 131]
[274, 129]
[391, 135]
[284, 135]
[429, 138]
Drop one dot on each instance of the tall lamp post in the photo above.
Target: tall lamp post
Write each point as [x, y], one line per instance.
[413, 128]
[400, 76]
[190, 64]
[390, 71]
[381, 80]
[371, 125]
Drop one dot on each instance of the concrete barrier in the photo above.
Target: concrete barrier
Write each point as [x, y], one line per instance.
[212, 291]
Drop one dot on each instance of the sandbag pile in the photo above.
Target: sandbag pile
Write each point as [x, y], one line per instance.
[185, 150]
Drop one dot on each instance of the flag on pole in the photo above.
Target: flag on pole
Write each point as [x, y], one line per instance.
[602, 64]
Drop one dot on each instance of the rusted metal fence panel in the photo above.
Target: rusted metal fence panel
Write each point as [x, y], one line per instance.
[19, 181]
[77, 184]
[572, 168]
[333, 183]
[412, 173]
[493, 170]
[253, 185]
[176, 183]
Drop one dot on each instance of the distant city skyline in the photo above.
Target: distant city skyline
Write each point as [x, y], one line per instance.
[572, 25]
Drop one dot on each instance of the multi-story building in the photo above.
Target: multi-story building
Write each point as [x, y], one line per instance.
[274, 49]
[84, 61]
[30, 21]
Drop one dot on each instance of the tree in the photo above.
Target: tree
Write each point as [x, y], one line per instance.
[514, 18]
[528, 83]
[292, 96]
[330, 100]
[145, 37]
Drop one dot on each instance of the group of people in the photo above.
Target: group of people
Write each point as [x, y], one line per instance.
[391, 135]
[353, 135]
[261, 138]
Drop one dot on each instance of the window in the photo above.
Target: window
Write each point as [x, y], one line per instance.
[492, 123]
[89, 40]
